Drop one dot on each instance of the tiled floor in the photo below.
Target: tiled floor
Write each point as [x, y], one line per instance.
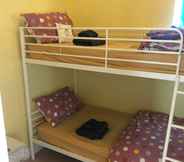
[50, 156]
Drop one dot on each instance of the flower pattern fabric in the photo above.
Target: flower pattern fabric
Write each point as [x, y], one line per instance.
[143, 140]
[46, 20]
[59, 105]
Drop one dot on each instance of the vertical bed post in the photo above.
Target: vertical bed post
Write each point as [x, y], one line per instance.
[106, 47]
[27, 94]
[174, 98]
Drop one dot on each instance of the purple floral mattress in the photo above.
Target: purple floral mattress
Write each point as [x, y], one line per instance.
[143, 140]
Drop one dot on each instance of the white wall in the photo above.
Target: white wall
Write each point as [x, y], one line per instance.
[3, 143]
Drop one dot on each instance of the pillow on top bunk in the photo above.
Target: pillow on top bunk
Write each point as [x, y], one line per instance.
[46, 20]
[65, 33]
[59, 105]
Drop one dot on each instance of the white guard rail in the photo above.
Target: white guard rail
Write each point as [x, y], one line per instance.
[108, 38]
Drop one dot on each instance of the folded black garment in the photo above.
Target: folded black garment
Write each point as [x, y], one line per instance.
[88, 42]
[93, 129]
[88, 33]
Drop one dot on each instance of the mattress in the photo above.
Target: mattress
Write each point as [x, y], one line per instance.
[64, 135]
[143, 139]
[38, 52]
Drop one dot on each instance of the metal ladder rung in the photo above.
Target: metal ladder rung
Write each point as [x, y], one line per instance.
[172, 160]
[177, 126]
[180, 92]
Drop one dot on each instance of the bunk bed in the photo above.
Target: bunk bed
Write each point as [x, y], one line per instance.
[120, 55]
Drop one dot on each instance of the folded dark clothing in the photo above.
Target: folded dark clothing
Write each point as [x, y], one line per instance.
[88, 42]
[88, 33]
[93, 129]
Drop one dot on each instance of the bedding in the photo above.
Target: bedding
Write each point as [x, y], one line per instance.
[59, 105]
[143, 140]
[162, 35]
[46, 20]
[153, 46]
[65, 137]
[165, 35]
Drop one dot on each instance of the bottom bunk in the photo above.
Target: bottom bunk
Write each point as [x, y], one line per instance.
[64, 135]
[130, 139]
[104, 135]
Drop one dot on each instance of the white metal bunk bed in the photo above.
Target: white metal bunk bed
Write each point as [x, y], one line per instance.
[177, 77]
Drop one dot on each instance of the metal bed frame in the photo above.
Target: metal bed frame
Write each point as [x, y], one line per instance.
[35, 118]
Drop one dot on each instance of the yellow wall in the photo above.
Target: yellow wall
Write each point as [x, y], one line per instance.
[120, 12]
[11, 82]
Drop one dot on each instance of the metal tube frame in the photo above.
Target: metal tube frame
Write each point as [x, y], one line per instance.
[26, 61]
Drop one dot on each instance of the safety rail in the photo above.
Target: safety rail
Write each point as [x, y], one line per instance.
[108, 37]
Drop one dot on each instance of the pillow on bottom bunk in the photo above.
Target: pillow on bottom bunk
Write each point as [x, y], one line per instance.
[59, 105]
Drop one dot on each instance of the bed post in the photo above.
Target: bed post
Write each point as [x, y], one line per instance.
[27, 94]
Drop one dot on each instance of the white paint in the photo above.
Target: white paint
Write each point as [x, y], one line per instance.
[3, 143]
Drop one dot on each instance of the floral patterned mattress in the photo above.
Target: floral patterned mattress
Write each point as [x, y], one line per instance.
[143, 140]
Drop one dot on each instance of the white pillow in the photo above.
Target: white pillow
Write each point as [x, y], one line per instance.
[65, 33]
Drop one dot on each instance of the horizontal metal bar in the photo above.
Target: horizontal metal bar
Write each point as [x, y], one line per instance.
[180, 92]
[107, 28]
[132, 73]
[87, 38]
[127, 50]
[110, 39]
[101, 48]
[177, 126]
[65, 46]
[63, 54]
[103, 58]
[172, 160]
[62, 151]
[143, 62]
[41, 36]
[57, 37]
[143, 51]
[144, 40]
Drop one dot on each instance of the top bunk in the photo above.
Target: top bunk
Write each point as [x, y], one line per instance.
[116, 50]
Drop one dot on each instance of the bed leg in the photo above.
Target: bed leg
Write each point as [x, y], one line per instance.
[32, 153]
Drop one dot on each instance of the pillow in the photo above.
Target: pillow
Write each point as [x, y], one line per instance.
[64, 33]
[46, 20]
[58, 106]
